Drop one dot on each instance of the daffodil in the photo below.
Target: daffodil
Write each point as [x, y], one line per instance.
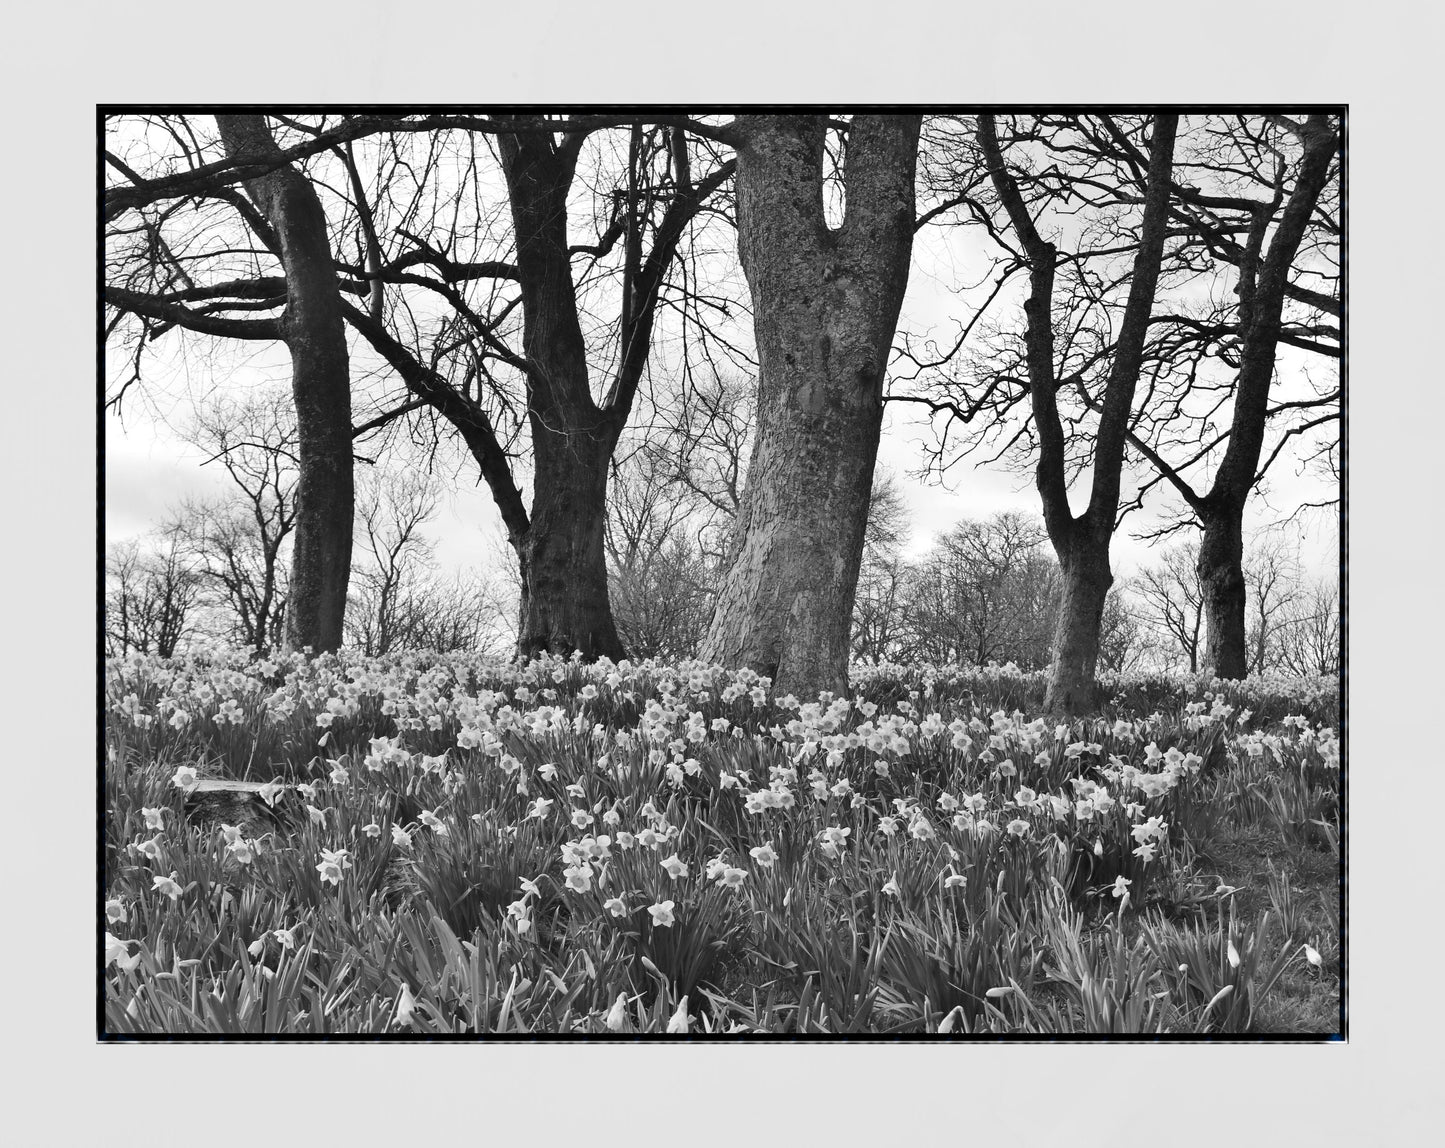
[676, 867]
[167, 886]
[333, 865]
[661, 913]
[764, 854]
[185, 777]
[578, 877]
[405, 1005]
[680, 1020]
[617, 1015]
[287, 937]
[115, 950]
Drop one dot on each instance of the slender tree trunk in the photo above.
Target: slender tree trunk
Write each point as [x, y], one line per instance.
[1221, 578]
[321, 386]
[825, 307]
[1263, 284]
[1082, 543]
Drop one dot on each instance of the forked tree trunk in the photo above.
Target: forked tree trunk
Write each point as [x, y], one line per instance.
[1082, 543]
[825, 307]
[1086, 578]
[314, 332]
[1263, 284]
[565, 604]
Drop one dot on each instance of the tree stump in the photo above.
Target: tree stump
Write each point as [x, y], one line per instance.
[216, 801]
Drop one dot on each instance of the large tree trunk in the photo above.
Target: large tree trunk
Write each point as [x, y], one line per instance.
[825, 307]
[1086, 576]
[565, 601]
[1221, 579]
[321, 385]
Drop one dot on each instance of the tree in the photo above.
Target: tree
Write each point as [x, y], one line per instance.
[1309, 634]
[1267, 278]
[286, 217]
[1173, 598]
[441, 321]
[391, 512]
[462, 613]
[878, 619]
[1121, 637]
[559, 542]
[237, 541]
[314, 333]
[1234, 203]
[661, 583]
[1173, 601]
[985, 592]
[152, 594]
[825, 306]
[1082, 542]
[1272, 578]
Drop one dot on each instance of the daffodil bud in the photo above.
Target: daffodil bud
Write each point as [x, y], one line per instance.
[616, 1016]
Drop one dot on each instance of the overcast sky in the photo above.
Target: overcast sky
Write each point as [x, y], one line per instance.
[148, 469]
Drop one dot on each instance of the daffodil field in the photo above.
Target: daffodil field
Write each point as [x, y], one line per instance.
[451, 846]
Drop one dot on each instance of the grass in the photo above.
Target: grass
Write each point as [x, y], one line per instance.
[462, 847]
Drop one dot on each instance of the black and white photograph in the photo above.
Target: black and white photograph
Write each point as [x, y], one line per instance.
[773, 573]
[798, 573]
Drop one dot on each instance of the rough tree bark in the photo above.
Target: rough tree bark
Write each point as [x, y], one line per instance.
[825, 307]
[313, 331]
[1262, 290]
[565, 602]
[1082, 542]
